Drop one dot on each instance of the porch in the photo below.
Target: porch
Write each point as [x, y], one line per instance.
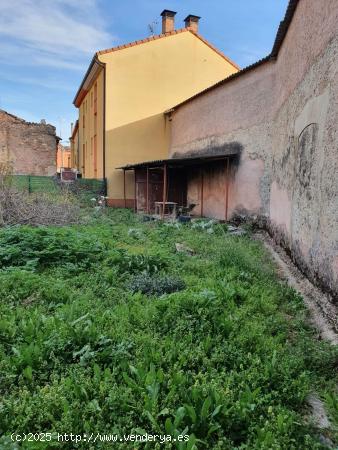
[196, 186]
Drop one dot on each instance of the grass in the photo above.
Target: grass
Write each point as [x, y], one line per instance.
[225, 357]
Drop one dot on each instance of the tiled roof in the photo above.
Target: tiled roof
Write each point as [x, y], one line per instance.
[281, 33]
[283, 27]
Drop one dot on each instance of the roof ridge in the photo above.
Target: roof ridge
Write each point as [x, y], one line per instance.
[281, 34]
[164, 35]
[141, 41]
[150, 39]
[205, 41]
[21, 119]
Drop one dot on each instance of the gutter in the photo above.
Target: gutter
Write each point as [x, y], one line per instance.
[81, 89]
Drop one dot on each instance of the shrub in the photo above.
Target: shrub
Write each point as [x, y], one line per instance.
[155, 285]
[37, 248]
[136, 263]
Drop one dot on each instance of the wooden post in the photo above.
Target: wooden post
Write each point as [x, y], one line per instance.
[135, 200]
[124, 188]
[202, 191]
[164, 188]
[147, 190]
[226, 188]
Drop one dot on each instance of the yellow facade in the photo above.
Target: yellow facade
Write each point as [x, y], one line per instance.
[91, 131]
[74, 147]
[141, 82]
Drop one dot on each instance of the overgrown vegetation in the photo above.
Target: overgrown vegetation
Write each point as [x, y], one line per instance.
[47, 207]
[92, 342]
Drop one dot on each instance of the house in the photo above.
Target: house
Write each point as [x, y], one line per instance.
[263, 143]
[74, 146]
[63, 158]
[29, 148]
[125, 92]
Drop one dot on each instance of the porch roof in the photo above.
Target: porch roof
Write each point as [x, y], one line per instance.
[180, 162]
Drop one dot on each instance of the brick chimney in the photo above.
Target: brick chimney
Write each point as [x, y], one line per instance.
[168, 21]
[191, 22]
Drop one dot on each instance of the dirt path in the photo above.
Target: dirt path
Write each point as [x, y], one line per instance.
[323, 313]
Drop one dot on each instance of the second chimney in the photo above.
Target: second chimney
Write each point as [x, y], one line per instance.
[168, 21]
[191, 22]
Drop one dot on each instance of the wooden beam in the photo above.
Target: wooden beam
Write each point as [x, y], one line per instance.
[124, 189]
[227, 165]
[164, 188]
[202, 191]
[135, 200]
[147, 190]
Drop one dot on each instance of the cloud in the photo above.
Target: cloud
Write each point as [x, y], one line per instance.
[58, 33]
[47, 83]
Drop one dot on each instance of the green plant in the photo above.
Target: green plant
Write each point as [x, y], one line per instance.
[155, 284]
[36, 248]
[227, 358]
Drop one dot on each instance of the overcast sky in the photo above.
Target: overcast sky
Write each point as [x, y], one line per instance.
[46, 45]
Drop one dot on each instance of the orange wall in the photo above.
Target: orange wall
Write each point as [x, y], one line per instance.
[63, 158]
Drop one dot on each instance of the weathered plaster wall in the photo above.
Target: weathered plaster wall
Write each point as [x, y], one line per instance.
[29, 147]
[284, 115]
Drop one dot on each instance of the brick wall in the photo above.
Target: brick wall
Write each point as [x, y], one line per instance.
[29, 147]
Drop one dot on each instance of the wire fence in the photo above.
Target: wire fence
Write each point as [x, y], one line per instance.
[30, 183]
[44, 184]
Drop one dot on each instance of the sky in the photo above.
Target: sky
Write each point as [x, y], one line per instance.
[47, 45]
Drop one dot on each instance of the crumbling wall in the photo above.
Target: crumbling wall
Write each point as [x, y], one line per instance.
[284, 115]
[29, 147]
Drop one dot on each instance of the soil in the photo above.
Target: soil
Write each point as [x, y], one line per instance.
[323, 313]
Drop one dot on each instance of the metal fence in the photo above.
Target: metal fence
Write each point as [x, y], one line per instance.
[34, 183]
[98, 187]
[44, 184]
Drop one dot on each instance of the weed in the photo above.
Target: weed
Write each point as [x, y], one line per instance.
[155, 285]
[225, 358]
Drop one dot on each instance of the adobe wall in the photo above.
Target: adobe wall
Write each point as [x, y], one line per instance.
[283, 114]
[29, 147]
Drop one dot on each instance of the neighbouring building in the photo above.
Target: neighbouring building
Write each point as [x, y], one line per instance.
[30, 148]
[263, 143]
[124, 94]
[63, 158]
[75, 146]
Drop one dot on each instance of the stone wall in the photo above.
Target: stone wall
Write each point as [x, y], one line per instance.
[29, 147]
[284, 115]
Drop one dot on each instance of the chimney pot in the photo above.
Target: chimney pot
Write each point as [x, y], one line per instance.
[168, 21]
[192, 22]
